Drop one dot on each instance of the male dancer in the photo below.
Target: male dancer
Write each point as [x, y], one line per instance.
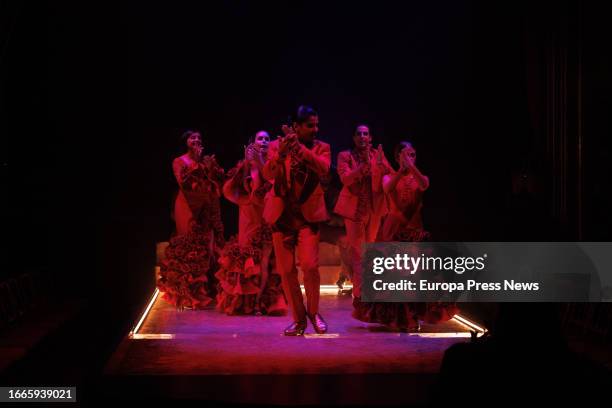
[362, 201]
[295, 206]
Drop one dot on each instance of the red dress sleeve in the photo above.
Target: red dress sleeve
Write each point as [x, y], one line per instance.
[185, 175]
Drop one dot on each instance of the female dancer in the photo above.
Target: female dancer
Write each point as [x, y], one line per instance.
[246, 285]
[404, 189]
[186, 276]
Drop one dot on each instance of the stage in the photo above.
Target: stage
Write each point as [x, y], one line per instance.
[245, 359]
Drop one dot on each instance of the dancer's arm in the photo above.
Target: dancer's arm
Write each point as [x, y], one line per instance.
[390, 181]
[184, 174]
[232, 188]
[274, 162]
[422, 180]
[318, 162]
[380, 169]
[347, 175]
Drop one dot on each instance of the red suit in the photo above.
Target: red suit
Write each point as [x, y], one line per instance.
[186, 274]
[246, 282]
[294, 206]
[362, 204]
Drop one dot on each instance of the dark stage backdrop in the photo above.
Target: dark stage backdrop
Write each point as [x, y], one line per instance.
[97, 95]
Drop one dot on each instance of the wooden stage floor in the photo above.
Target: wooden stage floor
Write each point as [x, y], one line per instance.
[245, 359]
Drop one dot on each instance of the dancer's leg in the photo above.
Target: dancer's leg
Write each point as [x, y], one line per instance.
[284, 251]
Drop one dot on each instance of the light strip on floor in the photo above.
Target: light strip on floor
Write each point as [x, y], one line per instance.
[448, 335]
[145, 313]
[469, 324]
[153, 336]
[331, 289]
[321, 336]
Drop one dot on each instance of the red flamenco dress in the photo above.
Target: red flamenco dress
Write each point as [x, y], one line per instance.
[404, 224]
[248, 280]
[186, 275]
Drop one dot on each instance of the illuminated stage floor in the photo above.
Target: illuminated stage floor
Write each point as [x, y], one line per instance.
[245, 359]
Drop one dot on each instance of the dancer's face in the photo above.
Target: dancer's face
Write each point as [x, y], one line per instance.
[308, 130]
[407, 154]
[262, 139]
[194, 141]
[362, 137]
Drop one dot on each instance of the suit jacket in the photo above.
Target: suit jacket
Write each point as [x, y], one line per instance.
[348, 170]
[312, 205]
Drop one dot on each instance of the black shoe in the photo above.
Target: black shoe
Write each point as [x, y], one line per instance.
[320, 326]
[348, 291]
[296, 329]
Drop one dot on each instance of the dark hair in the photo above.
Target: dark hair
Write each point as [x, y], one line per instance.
[254, 135]
[188, 134]
[401, 146]
[183, 139]
[303, 113]
[357, 126]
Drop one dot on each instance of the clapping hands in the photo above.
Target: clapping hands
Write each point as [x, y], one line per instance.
[251, 152]
[407, 163]
[289, 142]
[198, 150]
[380, 154]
